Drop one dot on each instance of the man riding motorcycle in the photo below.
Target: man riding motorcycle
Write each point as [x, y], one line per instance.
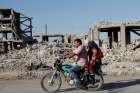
[80, 73]
[82, 58]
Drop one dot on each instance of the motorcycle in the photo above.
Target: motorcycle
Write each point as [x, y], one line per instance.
[52, 81]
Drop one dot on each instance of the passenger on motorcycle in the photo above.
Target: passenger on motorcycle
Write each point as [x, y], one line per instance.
[94, 56]
[81, 53]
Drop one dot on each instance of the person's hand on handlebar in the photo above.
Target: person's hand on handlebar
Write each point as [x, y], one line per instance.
[68, 54]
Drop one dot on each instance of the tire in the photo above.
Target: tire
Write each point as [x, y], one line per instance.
[101, 81]
[98, 83]
[47, 86]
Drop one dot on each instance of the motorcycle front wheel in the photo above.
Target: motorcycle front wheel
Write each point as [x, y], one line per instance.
[51, 82]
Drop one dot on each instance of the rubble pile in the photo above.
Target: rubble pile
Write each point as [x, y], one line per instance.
[119, 55]
[36, 54]
[122, 61]
[22, 60]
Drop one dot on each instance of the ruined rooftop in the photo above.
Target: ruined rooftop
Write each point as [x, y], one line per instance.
[120, 32]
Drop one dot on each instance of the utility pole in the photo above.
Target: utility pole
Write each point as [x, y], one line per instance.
[46, 32]
[46, 28]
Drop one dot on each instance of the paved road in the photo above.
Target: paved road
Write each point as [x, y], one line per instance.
[112, 85]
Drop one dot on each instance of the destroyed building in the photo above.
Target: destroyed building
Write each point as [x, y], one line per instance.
[15, 29]
[119, 33]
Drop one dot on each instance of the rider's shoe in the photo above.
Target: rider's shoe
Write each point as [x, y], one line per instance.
[80, 86]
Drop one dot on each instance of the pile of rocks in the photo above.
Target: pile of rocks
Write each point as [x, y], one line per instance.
[122, 61]
[119, 55]
[21, 60]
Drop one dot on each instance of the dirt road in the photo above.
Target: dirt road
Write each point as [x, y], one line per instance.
[112, 85]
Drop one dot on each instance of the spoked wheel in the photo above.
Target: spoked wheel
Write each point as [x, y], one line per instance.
[51, 82]
[98, 82]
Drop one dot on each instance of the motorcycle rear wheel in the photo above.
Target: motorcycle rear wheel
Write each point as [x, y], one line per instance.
[98, 83]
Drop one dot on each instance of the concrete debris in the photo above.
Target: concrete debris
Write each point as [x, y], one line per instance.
[33, 61]
[119, 55]
[32, 58]
[122, 61]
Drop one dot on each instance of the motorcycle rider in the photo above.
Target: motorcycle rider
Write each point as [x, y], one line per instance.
[94, 56]
[81, 53]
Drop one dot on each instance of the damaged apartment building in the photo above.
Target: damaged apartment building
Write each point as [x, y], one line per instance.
[15, 30]
[119, 33]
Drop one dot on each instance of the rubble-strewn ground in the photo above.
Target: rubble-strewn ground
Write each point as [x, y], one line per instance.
[32, 62]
